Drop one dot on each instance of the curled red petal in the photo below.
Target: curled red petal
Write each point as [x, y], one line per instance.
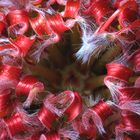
[46, 117]
[10, 72]
[130, 122]
[34, 136]
[75, 107]
[137, 82]
[19, 22]
[50, 136]
[23, 44]
[117, 3]
[22, 122]
[2, 26]
[103, 110]
[129, 93]
[4, 135]
[36, 2]
[119, 71]
[27, 84]
[72, 8]
[57, 23]
[8, 49]
[15, 124]
[126, 3]
[127, 16]
[5, 97]
[97, 115]
[2, 22]
[71, 106]
[136, 61]
[99, 10]
[89, 133]
[39, 24]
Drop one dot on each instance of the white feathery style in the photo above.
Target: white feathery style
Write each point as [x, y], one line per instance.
[93, 44]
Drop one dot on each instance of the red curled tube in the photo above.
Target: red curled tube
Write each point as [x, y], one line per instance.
[137, 82]
[4, 99]
[19, 21]
[40, 25]
[22, 123]
[119, 71]
[15, 124]
[127, 16]
[75, 107]
[129, 93]
[36, 2]
[117, 76]
[136, 61]
[56, 26]
[2, 22]
[4, 135]
[90, 132]
[60, 134]
[35, 136]
[56, 23]
[6, 48]
[117, 3]
[10, 72]
[9, 76]
[127, 3]
[71, 106]
[72, 8]
[130, 122]
[99, 10]
[129, 98]
[50, 136]
[98, 113]
[46, 117]
[102, 109]
[51, 2]
[17, 47]
[29, 86]
[2, 25]
[23, 44]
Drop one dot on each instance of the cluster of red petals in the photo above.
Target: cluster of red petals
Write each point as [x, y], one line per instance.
[24, 25]
[119, 75]
[126, 95]
[47, 117]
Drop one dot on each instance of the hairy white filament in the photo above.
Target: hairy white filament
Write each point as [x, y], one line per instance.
[69, 133]
[115, 93]
[92, 44]
[131, 105]
[96, 119]
[58, 104]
